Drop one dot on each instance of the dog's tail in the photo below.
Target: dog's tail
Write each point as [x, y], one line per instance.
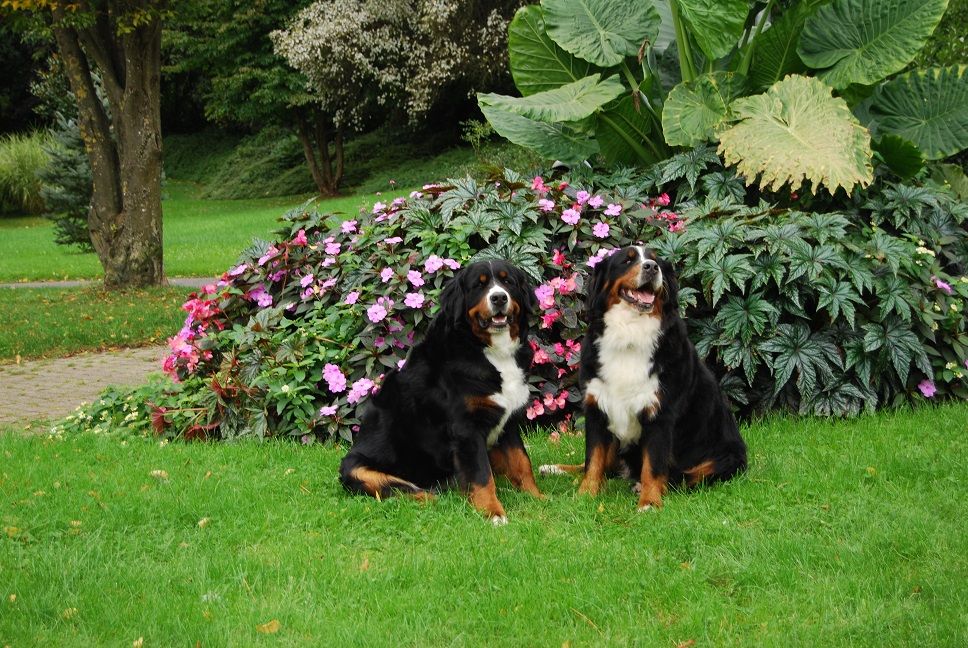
[725, 466]
[362, 480]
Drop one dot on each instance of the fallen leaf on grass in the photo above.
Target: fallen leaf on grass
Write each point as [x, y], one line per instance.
[159, 474]
[686, 644]
[204, 522]
[12, 598]
[365, 565]
[138, 643]
[69, 613]
[270, 627]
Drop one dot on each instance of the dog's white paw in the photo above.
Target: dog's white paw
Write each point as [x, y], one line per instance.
[637, 487]
[550, 469]
[646, 508]
[499, 520]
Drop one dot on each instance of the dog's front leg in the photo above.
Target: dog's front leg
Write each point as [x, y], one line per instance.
[656, 457]
[510, 458]
[600, 449]
[475, 476]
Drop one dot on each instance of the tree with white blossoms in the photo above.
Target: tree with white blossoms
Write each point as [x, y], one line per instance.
[373, 61]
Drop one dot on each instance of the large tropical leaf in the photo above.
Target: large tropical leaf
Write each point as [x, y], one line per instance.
[603, 32]
[553, 141]
[623, 134]
[571, 102]
[798, 131]
[537, 64]
[716, 24]
[904, 158]
[863, 41]
[695, 110]
[928, 108]
[667, 29]
[775, 54]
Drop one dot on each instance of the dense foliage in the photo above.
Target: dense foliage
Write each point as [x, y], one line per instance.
[66, 189]
[21, 157]
[793, 92]
[825, 312]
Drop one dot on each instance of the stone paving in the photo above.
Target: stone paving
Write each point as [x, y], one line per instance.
[187, 282]
[47, 389]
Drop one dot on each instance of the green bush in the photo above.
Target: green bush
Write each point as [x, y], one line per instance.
[67, 185]
[827, 312]
[21, 157]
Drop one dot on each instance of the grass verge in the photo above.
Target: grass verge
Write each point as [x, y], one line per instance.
[55, 322]
[842, 533]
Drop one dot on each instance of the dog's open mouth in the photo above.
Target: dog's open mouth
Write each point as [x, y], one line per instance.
[497, 321]
[642, 299]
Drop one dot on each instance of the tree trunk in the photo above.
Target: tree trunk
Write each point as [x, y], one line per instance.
[316, 150]
[125, 150]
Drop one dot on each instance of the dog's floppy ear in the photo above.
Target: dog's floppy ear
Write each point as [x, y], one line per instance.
[523, 279]
[596, 284]
[452, 302]
[670, 283]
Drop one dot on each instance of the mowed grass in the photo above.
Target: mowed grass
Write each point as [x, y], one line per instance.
[841, 534]
[55, 322]
[202, 238]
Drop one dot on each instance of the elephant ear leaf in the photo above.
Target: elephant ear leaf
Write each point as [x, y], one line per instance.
[797, 131]
[903, 157]
[537, 63]
[570, 102]
[602, 32]
[926, 107]
[716, 24]
[863, 41]
[695, 110]
[552, 141]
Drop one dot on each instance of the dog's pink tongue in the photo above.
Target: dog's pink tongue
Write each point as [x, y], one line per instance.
[644, 297]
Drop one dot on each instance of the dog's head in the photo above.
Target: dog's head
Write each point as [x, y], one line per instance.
[488, 297]
[634, 277]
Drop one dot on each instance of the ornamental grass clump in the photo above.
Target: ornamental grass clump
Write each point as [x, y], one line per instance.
[855, 307]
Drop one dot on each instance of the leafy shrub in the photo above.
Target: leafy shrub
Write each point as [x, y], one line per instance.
[21, 157]
[828, 313]
[67, 185]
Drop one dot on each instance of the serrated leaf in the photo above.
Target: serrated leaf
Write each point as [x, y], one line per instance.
[863, 41]
[838, 297]
[744, 317]
[926, 107]
[553, 141]
[537, 63]
[795, 132]
[602, 32]
[695, 110]
[715, 24]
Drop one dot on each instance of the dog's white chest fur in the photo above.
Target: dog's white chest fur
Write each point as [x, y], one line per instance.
[514, 390]
[625, 385]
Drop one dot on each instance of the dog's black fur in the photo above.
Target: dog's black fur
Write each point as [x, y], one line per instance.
[437, 419]
[651, 406]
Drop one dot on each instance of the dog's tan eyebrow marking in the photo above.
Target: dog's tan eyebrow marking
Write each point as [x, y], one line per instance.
[482, 278]
[503, 274]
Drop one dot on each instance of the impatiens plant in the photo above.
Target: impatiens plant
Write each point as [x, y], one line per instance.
[791, 91]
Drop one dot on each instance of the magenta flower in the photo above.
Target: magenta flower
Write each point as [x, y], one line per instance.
[943, 285]
[550, 318]
[271, 252]
[613, 209]
[379, 207]
[433, 264]
[386, 275]
[571, 216]
[352, 297]
[595, 201]
[348, 227]
[305, 281]
[376, 313]
[546, 205]
[260, 296]
[239, 269]
[558, 258]
[676, 227]
[582, 197]
[300, 239]
[415, 278]
[927, 388]
[327, 410]
[663, 200]
[414, 300]
[600, 229]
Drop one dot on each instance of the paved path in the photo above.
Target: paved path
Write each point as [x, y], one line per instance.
[188, 282]
[42, 389]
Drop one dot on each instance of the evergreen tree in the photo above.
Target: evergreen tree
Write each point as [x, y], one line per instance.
[67, 183]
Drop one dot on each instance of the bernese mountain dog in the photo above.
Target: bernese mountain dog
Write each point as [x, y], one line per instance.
[653, 410]
[454, 411]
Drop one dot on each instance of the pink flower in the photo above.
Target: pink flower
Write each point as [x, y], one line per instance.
[546, 296]
[300, 239]
[260, 296]
[678, 226]
[433, 264]
[360, 389]
[305, 281]
[352, 297]
[550, 318]
[571, 216]
[541, 357]
[392, 240]
[582, 197]
[415, 194]
[943, 285]
[569, 285]
[613, 209]
[546, 205]
[376, 313]
[452, 264]
[663, 200]
[538, 185]
[414, 300]
[328, 261]
[386, 275]
[927, 388]
[334, 377]
[595, 202]
[348, 227]
[415, 278]
[327, 410]
[536, 410]
[329, 283]
[558, 258]
[239, 269]
[400, 364]
[600, 229]
[398, 201]
[379, 207]
[332, 248]
[271, 252]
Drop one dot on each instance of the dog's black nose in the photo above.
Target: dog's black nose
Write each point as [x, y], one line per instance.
[499, 299]
[650, 266]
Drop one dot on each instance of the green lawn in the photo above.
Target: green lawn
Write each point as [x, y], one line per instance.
[56, 322]
[202, 237]
[842, 533]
